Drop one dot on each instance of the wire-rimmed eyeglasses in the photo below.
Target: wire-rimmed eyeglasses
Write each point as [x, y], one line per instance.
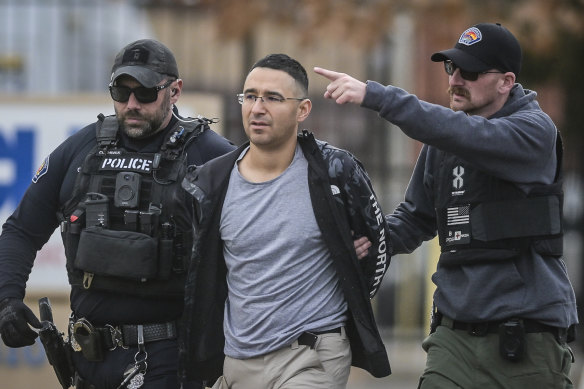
[250, 98]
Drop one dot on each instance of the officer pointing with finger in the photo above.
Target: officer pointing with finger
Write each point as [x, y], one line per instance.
[114, 189]
[488, 182]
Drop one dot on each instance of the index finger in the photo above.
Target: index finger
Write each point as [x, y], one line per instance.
[331, 75]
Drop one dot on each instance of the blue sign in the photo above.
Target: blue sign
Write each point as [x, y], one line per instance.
[18, 151]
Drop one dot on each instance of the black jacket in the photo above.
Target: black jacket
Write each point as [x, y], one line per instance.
[343, 201]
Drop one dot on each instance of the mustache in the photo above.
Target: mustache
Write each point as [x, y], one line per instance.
[133, 115]
[459, 91]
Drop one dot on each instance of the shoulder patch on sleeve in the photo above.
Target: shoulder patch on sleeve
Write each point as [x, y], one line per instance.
[41, 171]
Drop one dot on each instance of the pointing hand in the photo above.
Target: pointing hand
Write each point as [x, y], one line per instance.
[342, 88]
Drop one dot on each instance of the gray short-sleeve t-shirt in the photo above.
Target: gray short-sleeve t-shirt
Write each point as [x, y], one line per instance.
[280, 276]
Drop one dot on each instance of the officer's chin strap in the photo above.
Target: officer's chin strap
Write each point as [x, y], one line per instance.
[134, 374]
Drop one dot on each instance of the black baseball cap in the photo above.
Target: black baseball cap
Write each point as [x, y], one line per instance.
[482, 47]
[146, 60]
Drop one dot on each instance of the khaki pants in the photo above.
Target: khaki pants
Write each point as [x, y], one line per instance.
[456, 359]
[293, 367]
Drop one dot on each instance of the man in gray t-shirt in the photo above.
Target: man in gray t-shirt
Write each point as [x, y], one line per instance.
[275, 255]
[271, 236]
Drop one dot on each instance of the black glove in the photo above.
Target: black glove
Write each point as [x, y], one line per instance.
[15, 318]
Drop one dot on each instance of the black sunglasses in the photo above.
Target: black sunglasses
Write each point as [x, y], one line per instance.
[144, 95]
[450, 67]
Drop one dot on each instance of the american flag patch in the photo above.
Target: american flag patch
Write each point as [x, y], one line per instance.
[458, 215]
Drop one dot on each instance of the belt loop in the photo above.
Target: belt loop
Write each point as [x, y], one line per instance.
[170, 329]
[317, 342]
[294, 345]
[343, 332]
[447, 322]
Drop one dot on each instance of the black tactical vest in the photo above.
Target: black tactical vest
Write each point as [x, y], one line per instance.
[482, 218]
[127, 228]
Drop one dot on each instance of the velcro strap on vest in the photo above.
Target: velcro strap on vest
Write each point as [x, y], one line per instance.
[531, 217]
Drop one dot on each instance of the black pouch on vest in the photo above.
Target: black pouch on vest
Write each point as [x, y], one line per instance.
[126, 254]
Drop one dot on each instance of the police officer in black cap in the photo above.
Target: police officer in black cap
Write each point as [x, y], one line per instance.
[488, 182]
[114, 190]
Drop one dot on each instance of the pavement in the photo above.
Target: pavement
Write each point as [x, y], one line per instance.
[407, 361]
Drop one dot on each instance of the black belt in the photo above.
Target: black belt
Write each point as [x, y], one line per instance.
[309, 338]
[490, 327]
[126, 335]
[152, 333]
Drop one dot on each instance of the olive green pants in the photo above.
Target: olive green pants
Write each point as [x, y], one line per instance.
[457, 359]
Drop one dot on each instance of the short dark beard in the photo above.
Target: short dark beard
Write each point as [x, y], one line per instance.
[152, 126]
